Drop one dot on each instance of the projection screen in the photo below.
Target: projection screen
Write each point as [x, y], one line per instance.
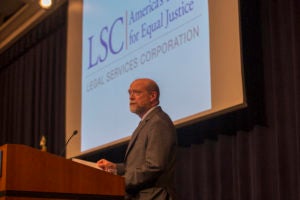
[190, 48]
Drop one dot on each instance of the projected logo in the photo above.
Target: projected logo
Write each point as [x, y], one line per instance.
[106, 42]
[147, 22]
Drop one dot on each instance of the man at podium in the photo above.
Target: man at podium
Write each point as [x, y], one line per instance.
[148, 166]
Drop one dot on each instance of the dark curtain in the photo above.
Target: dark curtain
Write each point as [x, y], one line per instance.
[252, 153]
[32, 82]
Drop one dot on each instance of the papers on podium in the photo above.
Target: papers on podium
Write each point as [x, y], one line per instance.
[87, 163]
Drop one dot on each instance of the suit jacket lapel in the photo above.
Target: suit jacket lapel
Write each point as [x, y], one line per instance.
[134, 136]
[137, 130]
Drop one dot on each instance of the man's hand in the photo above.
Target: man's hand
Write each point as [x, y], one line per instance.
[107, 166]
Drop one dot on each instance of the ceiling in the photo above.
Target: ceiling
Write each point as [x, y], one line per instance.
[8, 8]
[15, 18]
[18, 16]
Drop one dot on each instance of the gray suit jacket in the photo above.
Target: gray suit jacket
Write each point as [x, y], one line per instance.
[149, 161]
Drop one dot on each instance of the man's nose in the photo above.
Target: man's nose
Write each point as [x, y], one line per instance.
[131, 95]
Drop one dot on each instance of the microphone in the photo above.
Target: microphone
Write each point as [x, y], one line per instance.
[65, 147]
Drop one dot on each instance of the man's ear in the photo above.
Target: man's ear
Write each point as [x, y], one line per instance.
[153, 96]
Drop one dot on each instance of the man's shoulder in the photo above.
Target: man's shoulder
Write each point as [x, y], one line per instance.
[159, 115]
[156, 112]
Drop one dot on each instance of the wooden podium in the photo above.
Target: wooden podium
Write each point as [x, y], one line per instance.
[27, 173]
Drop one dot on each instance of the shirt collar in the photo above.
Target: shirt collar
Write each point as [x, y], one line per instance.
[149, 111]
